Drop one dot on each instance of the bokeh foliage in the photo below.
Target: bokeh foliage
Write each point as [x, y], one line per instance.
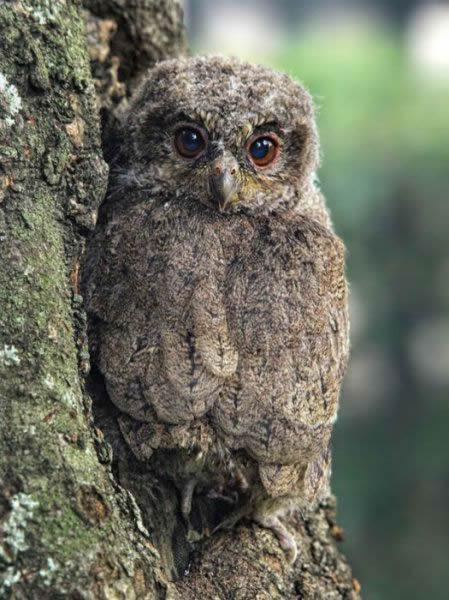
[384, 131]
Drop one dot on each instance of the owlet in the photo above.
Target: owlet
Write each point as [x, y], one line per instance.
[218, 289]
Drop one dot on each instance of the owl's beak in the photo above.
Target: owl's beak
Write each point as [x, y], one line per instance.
[223, 181]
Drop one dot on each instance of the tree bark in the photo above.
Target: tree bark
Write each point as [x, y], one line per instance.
[68, 528]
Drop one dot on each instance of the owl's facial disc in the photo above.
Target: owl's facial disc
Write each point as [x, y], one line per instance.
[226, 179]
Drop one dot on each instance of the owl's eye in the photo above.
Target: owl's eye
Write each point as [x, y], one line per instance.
[263, 150]
[189, 142]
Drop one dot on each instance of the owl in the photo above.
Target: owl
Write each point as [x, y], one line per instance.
[217, 291]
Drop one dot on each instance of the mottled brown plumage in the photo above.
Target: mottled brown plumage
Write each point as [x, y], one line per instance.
[221, 325]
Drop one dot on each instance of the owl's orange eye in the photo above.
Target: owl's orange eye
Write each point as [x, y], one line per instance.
[189, 142]
[263, 149]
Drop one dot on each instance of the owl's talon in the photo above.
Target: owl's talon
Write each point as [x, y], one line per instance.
[288, 544]
[286, 539]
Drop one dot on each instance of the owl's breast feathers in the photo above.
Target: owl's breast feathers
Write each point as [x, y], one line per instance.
[239, 319]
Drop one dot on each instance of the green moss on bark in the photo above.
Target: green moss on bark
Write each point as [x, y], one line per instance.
[62, 521]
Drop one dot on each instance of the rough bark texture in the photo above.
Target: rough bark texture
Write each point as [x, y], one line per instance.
[248, 563]
[125, 38]
[67, 528]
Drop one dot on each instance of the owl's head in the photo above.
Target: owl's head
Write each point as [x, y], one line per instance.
[226, 134]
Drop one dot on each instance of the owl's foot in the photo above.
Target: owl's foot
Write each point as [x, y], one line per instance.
[187, 496]
[286, 539]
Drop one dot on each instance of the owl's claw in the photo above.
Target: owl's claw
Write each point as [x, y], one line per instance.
[286, 539]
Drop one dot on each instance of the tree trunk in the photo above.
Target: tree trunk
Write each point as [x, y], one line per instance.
[68, 529]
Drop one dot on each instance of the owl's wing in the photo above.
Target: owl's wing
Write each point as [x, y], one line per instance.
[197, 354]
[291, 325]
[213, 344]
[309, 480]
[154, 285]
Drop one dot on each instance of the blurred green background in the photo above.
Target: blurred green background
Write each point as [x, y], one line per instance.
[379, 72]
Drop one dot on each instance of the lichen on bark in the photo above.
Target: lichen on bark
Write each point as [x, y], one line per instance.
[65, 528]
